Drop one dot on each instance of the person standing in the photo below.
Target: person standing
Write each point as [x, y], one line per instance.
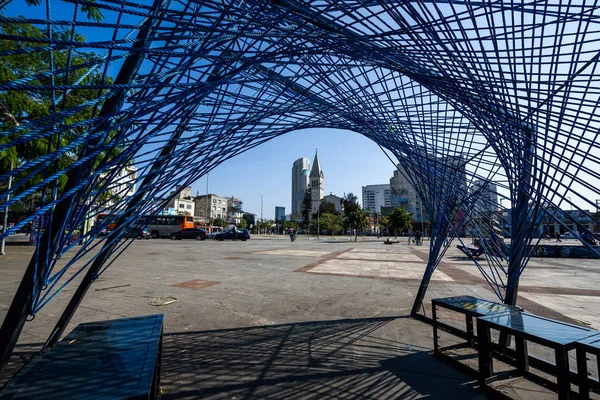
[418, 238]
[234, 229]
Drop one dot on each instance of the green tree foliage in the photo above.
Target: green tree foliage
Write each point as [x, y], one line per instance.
[333, 222]
[327, 207]
[91, 11]
[355, 216]
[243, 223]
[306, 207]
[20, 106]
[220, 222]
[290, 225]
[398, 220]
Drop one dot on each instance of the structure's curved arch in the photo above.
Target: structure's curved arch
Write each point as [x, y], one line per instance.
[456, 92]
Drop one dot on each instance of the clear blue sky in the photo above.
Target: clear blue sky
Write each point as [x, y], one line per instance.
[348, 160]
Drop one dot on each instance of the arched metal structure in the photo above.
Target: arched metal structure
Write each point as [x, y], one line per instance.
[457, 91]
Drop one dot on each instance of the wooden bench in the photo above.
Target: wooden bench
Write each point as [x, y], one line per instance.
[118, 359]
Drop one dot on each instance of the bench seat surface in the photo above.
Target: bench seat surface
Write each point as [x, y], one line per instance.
[98, 360]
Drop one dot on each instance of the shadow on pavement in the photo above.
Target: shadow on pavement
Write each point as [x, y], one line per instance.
[344, 359]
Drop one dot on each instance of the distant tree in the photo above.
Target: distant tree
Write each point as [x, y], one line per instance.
[306, 207]
[383, 222]
[22, 106]
[250, 220]
[266, 226]
[243, 223]
[398, 220]
[220, 222]
[289, 225]
[333, 222]
[327, 207]
[354, 216]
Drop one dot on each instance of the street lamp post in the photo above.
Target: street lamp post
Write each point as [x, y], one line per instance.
[422, 226]
[206, 207]
[318, 219]
[261, 207]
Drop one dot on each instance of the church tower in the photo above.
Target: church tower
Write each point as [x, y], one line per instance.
[316, 179]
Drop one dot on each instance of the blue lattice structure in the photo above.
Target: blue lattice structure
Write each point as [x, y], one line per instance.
[457, 92]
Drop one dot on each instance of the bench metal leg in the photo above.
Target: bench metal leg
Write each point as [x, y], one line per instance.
[435, 329]
[522, 355]
[584, 387]
[486, 367]
[470, 334]
[562, 373]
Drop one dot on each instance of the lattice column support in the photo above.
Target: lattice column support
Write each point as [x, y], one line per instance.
[439, 231]
[520, 217]
[33, 279]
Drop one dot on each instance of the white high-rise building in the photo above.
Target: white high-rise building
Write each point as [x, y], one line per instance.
[316, 184]
[487, 196]
[404, 195]
[300, 173]
[376, 196]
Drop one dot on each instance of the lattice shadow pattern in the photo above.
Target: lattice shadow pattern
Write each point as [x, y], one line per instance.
[458, 92]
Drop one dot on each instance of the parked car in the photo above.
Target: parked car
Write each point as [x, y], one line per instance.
[242, 234]
[137, 233]
[570, 235]
[189, 233]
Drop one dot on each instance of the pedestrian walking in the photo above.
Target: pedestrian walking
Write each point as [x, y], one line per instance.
[557, 234]
[418, 238]
[234, 229]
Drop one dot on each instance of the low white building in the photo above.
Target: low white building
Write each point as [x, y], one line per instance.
[209, 207]
[121, 186]
[234, 210]
[182, 203]
[404, 195]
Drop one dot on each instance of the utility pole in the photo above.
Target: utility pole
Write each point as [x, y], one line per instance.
[206, 207]
[422, 228]
[318, 220]
[5, 224]
[261, 207]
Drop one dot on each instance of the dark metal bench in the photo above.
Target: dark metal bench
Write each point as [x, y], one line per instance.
[471, 252]
[583, 347]
[118, 359]
[469, 306]
[559, 336]
[493, 248]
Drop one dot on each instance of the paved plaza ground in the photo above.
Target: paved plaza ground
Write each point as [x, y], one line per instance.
[325, 318]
